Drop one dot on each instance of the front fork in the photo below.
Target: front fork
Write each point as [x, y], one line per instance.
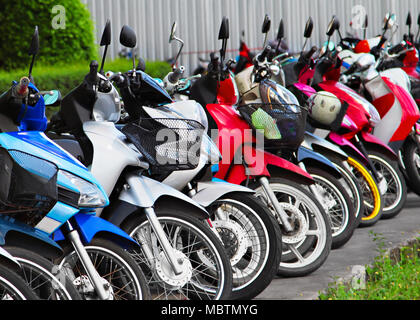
[284, 218]
[378, 179]
[95, 279]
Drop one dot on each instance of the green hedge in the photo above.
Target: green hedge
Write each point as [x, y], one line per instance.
[74, 42]
[65, 77]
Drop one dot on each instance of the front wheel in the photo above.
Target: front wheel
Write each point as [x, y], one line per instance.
[13, 287]
[337, 204]
[206, 273]
[43, 276]
[308, 245]
[252, 238]
[121, 276]
[395, 187]
[411, 159]
[372, 199]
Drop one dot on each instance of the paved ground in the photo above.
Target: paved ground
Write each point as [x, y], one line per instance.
[360, 250]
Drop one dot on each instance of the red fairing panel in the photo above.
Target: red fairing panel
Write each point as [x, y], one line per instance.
[409, 107]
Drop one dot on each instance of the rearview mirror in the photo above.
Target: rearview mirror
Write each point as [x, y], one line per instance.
[332, 26]
[52, 98]
[308, 28]
[128, 37]
[34, 47]
[224, 29]
[408, 20]
[266, 24]
[106, 35]
[172, 35]
[389, 21]
[224, 35]
[280, 31]
[33, 51]
[105, 41]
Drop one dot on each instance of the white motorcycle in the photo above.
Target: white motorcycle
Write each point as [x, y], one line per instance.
[181, 256]
[245, 226]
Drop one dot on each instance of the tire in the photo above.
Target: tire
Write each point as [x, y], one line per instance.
[253, 269]
[396, 195]
[339, 208]
[313, 248]
[371, 196]
[43, 276]
[411, 158]
[13, 287]
[160, 277]
[351, 184]
[126, 280]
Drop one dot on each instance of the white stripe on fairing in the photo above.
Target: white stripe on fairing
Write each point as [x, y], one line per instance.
[48, 225]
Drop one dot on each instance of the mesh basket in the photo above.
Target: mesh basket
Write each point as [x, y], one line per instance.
[283, 124]
[29, 184]
[167, 144]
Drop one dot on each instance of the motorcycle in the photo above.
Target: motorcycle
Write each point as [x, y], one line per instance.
[255, 251]
[380, 159]
[252, 84]
[39, 174]
[306, 237]
[181, 255]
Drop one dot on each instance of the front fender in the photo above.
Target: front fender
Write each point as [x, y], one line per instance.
[323, 146]
[373, 142]
[7, 258]
[208, 192]
[262, 163]
[15, 233]
[90, 226]
[144, 192]
[306, 155]
[346, 144]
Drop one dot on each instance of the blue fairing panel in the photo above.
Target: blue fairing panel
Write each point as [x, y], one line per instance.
[62, 212]
[305, 153]
[38, 144]
[9, 224]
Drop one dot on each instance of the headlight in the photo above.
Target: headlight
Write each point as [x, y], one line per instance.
[90, 195]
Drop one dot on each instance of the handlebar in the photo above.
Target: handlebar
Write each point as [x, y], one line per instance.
[175, 75]
[261, 57]
[309, 53]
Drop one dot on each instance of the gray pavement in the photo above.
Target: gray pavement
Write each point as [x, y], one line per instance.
[360, 250]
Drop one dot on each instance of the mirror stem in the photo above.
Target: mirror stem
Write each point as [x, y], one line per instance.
[30, 68]
[265, 39]
[134, 61]
[101, 71]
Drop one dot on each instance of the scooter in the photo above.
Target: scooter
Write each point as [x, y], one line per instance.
[233, 208]
[307, 238]
[167, 222]
[381, 159]
[389, 92]
[254, 84]
[44, 176]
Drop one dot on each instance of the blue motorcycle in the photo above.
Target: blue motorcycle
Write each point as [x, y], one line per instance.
[46, 188]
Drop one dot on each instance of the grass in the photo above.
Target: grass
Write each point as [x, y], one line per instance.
[393, 276]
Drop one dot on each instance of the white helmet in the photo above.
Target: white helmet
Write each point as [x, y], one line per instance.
[324, 107]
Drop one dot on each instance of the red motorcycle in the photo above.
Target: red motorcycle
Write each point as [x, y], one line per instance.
[306, 230]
